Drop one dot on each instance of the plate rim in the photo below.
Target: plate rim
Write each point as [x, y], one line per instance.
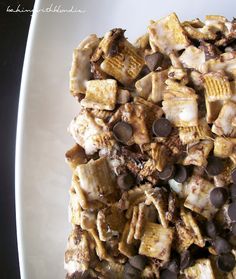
[20, 138]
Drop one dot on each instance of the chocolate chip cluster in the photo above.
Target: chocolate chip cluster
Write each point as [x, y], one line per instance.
[153, 190]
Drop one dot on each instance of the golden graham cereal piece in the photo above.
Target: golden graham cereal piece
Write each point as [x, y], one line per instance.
[96, 184]
[167, 34]
[133, 222]
[223, 147]
[88, 220]
[180, 104]
[201, 268]
[184, 235]
[148, 169]
[82, 127]
[213, 110]
[144, 86]
[126, 249]
[156, 241]
[142, 217]
[225, 62]
[223, 124]
[80, 71]
[192, 57]
[159, 198]
[217, 87]
[191, 223]
[158, 86]
[103, 142]
[74, 208]
[76, 156]
[181, 112]
[100, 250]
[198, 200]
[125, 65]
[136, 196]
[195, 133]
[78, 253]
[160, 155]
[225, 178]
[197, 154]
[204, 33]
[75, 184]
[135, 114]
[100, 94]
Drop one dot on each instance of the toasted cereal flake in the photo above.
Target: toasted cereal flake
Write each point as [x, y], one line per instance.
[217, 87]
[223, 124]
[96, 184]
[201, 270]
[158, 197]
[192, 57]
[198, 199]
[223, 147]
[167, 34]
[156, 241]
[80, 69]
[197, 154]
[125, 65]
[100, 94]
[195, 133]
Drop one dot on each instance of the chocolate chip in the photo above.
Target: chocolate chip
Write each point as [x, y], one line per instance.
[232, 211]
[221, 245]
[233, 229]
[162, 127]
[218, 196]
[125, 181]
[167, 274]
[138, 261]
[226, 262]
[154, 60]
[181, 174]
[185, 260]
[131, 272]
[215, 166]
[167, 173]
[233, 191]
[122, 131]
[211, 229]
[233, 175]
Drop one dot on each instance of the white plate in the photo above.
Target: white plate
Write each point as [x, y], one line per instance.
[46, 108]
